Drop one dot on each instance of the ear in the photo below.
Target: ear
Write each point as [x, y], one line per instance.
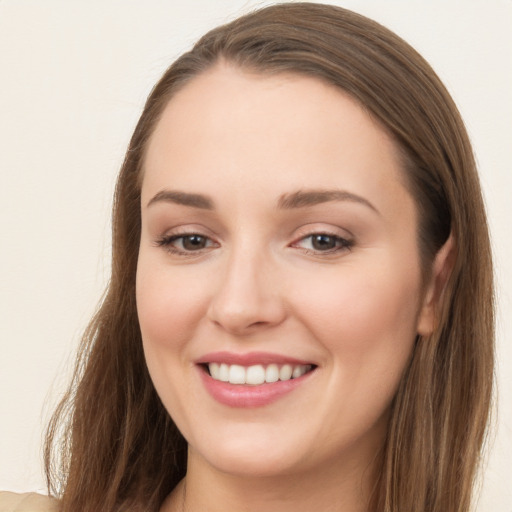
[441, 270]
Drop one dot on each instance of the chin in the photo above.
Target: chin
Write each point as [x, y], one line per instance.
[252, 465]
[250, 456]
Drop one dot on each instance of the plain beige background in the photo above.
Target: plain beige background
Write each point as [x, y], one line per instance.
[73, 78]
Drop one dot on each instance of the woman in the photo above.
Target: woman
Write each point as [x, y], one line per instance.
[301, 280]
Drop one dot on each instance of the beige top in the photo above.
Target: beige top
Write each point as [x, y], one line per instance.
[28, 502]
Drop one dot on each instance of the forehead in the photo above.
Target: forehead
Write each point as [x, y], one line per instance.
[230, 127]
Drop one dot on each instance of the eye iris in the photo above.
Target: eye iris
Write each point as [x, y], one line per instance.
[323, 242]
[194, 242]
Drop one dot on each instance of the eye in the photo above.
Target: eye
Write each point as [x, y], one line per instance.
[185, 243]
[192, 242]
[323, 243]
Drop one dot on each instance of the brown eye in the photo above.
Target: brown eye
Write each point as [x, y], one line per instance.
[193, 242]
[323, 242]
[186, 244]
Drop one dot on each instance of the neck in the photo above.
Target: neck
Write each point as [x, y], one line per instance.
[343, 486]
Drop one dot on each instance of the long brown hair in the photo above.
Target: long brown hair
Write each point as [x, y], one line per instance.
[119, 449]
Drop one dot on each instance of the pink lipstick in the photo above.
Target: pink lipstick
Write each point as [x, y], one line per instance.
[251, 380]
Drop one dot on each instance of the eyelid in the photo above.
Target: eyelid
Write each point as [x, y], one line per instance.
[184, 230]
[345, 243]
[344, 240]
[347, 240]
[322, 229]
[167, 239]
[327, 227]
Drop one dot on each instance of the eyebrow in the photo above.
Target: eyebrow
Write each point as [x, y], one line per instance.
[298, 199]
[304, 198]
[184, 198]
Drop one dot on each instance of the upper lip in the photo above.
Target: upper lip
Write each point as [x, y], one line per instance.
[249, 358]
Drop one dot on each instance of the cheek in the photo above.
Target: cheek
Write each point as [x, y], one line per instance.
[170, 306]
[365, 317]
[170, 309]
[366, 322]
[366, 294]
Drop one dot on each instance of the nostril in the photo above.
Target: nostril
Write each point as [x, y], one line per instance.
[257, 324]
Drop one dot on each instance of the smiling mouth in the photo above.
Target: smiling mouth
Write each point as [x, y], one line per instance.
[256, 375]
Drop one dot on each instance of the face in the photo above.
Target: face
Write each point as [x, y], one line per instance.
[278, 285]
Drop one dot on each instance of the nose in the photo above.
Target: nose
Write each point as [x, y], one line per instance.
[249, 295]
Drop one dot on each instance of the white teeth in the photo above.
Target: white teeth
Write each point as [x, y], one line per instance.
[256, 374]
[285, 373]
[214, 370]
[272, 373]
[298, 371]
[236, 374]
[224, 372]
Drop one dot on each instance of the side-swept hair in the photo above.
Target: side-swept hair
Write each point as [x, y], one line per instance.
[118, 448]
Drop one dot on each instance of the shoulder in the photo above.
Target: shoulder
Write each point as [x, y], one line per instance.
[28, 502]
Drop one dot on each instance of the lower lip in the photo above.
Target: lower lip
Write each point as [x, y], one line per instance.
[247, 396]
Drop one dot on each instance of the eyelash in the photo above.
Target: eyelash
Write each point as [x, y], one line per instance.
[167, 241]
[341, 244]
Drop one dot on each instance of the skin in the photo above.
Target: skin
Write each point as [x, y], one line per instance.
[259, 284]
